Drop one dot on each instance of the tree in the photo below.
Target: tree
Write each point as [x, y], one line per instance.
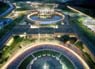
[65, 38]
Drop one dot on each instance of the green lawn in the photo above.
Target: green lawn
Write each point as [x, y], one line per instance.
[26, 61]
[79, 44]
[8, 50]
[66, 62]
[88, 34]
[84, 30]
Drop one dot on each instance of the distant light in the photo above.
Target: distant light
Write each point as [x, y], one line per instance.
[56, 26]
[59, 36]
[62, 23]
[28, 2]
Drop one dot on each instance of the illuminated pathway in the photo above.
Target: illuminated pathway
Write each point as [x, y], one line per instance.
[74, 58]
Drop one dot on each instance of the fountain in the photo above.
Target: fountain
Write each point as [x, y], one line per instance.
[45, 14]
[45, 66]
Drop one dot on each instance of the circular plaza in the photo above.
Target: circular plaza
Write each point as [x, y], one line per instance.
[45, 14]
[48, 56]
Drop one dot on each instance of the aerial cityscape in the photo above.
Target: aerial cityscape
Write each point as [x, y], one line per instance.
[47, 34]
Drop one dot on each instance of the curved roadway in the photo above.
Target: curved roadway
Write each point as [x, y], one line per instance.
[78, 62]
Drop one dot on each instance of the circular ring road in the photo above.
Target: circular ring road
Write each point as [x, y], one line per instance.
[76, 61]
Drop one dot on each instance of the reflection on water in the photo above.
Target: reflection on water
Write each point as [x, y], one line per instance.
[46, 62]
[50, 20]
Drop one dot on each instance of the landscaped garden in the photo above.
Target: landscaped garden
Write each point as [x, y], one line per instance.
[84, 31]
[7, 51]
[26, 62]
